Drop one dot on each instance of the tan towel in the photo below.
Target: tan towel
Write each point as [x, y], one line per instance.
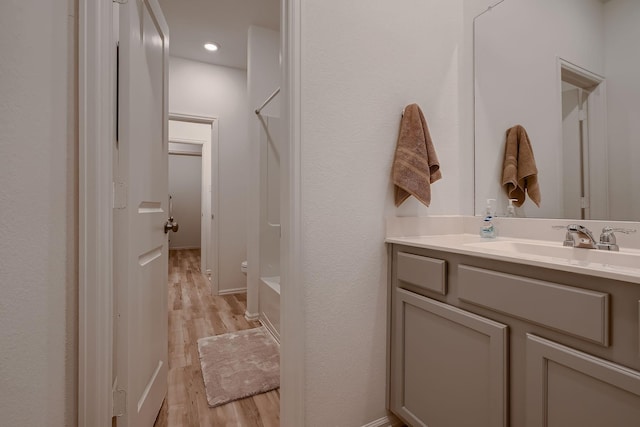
[415, 166]
[519, 171]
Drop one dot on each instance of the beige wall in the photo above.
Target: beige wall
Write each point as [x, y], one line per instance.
[38, 204]
[185, 188]
[622, 68]
[362, 62]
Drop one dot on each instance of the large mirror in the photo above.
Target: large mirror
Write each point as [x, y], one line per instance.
[568, 71]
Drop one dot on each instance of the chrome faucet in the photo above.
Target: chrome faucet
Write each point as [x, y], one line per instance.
[579, 236]
[608, 239]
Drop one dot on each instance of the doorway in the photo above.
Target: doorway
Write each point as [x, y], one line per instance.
[193, 163]
[584, 153]
[101, 194]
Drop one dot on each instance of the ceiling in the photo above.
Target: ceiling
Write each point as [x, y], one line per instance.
[192, 23]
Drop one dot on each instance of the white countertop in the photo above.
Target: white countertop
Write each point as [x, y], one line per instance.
[577, 262]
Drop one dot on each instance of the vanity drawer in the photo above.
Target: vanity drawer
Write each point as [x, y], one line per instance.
[579, 312]
[421, 271]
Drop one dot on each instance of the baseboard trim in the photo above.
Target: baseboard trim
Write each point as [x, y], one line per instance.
[178, 248]
[267, 324]
[388, 421]
[251, 317]
[232, 291]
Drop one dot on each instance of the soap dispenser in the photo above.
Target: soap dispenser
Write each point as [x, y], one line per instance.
[511, 210]
[487, 229]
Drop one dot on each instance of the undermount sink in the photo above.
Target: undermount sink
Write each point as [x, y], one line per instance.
[623, 259]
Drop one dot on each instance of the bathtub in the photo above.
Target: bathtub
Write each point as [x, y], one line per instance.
[269, 304]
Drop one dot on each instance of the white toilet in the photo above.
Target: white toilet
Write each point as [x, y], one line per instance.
[243, 267]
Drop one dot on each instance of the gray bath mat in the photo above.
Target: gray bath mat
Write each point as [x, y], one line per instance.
[238, 365]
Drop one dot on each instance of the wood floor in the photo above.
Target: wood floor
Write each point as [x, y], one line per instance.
[194, 313]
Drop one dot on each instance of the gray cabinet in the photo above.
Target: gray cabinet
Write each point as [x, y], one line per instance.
[566, 387]
[478, 342]
[449, 365]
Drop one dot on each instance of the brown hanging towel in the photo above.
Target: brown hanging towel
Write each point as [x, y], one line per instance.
[415, 165]
[519, 171]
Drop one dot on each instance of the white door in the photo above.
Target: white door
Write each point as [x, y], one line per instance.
[141, 202]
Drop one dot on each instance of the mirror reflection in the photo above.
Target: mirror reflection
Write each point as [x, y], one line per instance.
[569, 73]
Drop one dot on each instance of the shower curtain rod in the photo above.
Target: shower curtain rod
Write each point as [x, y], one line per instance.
[264, 104]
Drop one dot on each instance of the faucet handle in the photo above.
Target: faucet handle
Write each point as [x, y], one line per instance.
[608, 237]
[607, 230]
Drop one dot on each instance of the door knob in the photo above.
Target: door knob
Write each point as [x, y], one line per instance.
[171, 225]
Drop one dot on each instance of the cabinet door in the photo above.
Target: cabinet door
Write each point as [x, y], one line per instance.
[448, 366]
[566, 387]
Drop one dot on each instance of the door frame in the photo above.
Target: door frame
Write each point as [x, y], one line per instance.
[292, 300]
[96, 124]
[96, 134]
[597, 157]
[210, 167]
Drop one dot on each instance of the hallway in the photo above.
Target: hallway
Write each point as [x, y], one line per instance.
[193, 314]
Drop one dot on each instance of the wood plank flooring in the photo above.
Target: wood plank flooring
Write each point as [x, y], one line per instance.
[193, 314]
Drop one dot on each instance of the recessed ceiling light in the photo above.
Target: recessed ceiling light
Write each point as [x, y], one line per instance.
[211, 47]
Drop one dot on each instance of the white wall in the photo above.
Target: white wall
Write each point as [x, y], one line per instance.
[263, 76]
[38, 204]
[516, 68]
[362, 62]
[622, 68]
[202, 89]
[185, 176]
[263, 69]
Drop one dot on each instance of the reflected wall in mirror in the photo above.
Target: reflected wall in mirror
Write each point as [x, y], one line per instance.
[569, 72]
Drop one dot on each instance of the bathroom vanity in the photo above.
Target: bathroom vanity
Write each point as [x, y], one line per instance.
[521, 331]
[489, 333]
